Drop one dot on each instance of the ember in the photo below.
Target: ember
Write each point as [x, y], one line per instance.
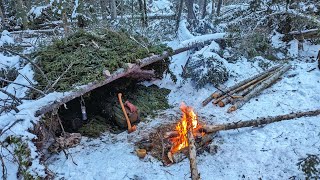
[188, 117]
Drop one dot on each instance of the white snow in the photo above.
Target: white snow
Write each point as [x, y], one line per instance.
[268, 152]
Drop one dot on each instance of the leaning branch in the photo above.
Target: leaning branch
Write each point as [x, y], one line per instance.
[118, 74]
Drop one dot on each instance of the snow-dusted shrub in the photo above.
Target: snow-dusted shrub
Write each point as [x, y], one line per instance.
[203, 70]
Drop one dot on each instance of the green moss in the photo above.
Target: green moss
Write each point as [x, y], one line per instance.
[149, 99]
[95, 127]
[90, 53]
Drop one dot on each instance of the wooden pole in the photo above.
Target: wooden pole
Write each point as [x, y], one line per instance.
[218, 93]
[192, 148]
[259, 121]
[259, 88]
[243, 93]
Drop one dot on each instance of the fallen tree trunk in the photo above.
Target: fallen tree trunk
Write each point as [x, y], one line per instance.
[259, 88]
[259, 121]
[219, 93]
[116, 75]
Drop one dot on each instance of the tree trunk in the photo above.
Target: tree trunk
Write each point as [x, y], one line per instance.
[191, 15]
[2, 16]
[259, 121]
[113, 8]
[104, 9]
[22, 13]
[219, 7]
[203, 8]
[213, 10]
[258, 89]
[302, 35]
[179, 12]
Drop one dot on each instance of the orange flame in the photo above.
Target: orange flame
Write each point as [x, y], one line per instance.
[188, 118]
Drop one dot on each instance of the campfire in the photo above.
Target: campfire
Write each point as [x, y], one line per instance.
[171, 143]
[189, 118]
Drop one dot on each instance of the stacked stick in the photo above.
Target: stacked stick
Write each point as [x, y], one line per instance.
[243, 91]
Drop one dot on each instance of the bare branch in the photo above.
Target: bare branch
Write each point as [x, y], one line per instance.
[30, 87]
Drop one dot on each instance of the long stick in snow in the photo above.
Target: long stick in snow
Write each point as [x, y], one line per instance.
[218, 93]
[259, 88]
[259, 121]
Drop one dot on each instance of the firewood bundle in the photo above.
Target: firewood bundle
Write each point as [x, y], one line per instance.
[243, 91]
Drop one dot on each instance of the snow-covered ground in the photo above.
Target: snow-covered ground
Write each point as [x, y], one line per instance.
[268, 152]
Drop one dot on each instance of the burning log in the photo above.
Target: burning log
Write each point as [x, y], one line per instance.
[258, 121]
[192, 148]
[259, 88]
[227, 91]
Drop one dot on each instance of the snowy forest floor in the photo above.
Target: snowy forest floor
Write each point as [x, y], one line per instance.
[269, 152]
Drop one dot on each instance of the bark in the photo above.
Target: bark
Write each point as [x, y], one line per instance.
[191, 15]
[259, 121]
[104, 8]
[2, 13]
[219, 7]
[302, 35]
[180, 8]
[246, 88]
[213, 9]
[203, 8]
[116, 75]
[219, 93]
[192, 148]
[200, 144]
[259, 89]
[113, 8]
[22, 13]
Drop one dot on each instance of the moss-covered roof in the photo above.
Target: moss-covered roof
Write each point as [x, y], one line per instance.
[90, 53]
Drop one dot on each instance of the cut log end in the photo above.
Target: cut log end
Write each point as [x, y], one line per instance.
[232, 108]
[221, 104]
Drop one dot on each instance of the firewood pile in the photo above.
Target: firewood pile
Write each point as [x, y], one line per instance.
[242, 92]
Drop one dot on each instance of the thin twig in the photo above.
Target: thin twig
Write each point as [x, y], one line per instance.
[4, 169]
[14, 123]
[58, 79]
[30, 87]
[13, 97]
